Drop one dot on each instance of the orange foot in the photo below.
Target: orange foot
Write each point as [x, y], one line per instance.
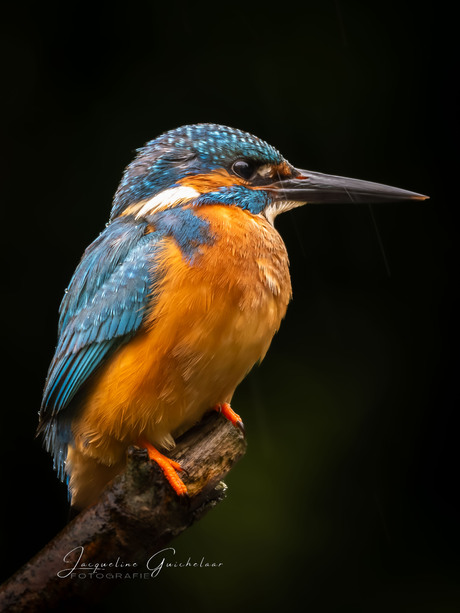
[167, 465]
[230, 414]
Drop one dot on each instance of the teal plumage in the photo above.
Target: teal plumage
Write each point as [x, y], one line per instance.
[193, 216]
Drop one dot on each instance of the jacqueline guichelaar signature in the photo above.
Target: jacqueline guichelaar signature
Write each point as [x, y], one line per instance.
[77, 568]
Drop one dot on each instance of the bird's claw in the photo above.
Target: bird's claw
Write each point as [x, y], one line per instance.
[232, 417]
[169, 467]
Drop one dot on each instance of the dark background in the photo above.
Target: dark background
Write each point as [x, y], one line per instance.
[346, 499]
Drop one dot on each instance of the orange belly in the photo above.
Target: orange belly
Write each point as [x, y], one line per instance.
[213, 318]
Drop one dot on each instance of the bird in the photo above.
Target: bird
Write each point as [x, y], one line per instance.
[176, 300]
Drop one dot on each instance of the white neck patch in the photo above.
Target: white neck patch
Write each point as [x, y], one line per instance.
[276, 208]
[168, 198]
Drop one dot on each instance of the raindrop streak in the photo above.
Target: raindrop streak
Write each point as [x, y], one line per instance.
[379, 239]
[298, 237]
[296, 227]
[341, 23]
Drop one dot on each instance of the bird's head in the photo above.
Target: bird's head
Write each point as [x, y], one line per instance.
[212, 164]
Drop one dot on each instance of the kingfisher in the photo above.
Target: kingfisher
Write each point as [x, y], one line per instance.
[176, 300]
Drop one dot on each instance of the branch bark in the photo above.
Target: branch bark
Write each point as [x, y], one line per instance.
[137, 515]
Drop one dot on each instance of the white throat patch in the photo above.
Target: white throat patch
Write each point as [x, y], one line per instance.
[276, 208]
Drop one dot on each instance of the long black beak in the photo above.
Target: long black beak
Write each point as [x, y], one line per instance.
[316, 187]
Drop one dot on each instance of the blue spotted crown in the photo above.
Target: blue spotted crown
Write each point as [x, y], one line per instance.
[187, 150]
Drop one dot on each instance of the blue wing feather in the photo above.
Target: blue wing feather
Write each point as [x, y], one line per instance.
[102, 308]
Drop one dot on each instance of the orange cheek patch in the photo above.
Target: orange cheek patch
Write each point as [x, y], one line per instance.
[211, 181]
[282, 170]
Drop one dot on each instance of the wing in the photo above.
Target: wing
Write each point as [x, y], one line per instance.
[102, 309]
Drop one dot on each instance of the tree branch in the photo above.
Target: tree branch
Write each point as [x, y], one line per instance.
[137, 515]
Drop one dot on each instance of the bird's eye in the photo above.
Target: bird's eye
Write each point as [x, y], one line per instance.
[244, 168]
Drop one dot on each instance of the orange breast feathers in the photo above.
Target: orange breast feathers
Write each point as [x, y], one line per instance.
[214, 317]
